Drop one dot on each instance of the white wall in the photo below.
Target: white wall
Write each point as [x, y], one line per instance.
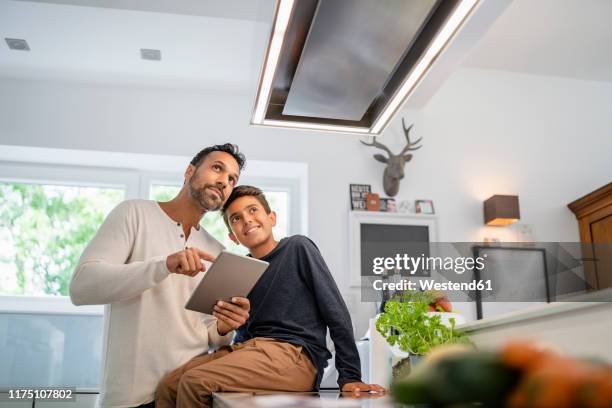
[548, 140]
[485, 132]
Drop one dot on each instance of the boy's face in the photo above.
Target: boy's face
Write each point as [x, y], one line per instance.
[250, 224]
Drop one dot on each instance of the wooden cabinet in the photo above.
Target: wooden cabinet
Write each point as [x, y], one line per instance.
[594, 214]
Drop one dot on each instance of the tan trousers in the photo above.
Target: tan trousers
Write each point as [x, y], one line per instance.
[260, 364]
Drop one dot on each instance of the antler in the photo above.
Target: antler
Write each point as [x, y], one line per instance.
[378, 144]
[409, 145]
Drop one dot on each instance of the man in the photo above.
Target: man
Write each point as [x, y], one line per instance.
[142, 264]
[282, 345]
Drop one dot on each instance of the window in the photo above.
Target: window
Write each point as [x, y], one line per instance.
[50, 350]
[43, 230]
[213, 221]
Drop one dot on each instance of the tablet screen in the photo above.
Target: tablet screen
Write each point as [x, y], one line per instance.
[229, 276]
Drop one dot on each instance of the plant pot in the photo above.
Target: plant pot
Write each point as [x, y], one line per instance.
[403, 367]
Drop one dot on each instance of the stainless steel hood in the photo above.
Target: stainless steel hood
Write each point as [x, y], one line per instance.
[351, 50]
[349, 65]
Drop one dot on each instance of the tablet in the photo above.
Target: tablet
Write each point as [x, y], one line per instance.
[230, 275]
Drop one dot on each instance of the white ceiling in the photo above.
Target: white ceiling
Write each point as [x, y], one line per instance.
[565, 38]
[219, 44]
[102, 44]
[254, 10]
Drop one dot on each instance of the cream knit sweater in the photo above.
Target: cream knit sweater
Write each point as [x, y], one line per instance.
[147, 331]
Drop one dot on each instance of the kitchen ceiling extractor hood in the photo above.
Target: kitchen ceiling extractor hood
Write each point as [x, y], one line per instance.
[349, 65]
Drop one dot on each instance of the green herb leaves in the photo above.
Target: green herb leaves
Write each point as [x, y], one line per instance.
[406, 322]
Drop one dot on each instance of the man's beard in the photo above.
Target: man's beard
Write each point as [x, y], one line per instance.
[208, 201]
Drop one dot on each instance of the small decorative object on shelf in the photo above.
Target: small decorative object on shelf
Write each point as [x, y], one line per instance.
[406, 206]
[388, 205]
[358, 193]
[424, 207]
[373, 202]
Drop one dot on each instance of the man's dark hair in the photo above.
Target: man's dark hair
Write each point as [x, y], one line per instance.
[227, 148]
[242, 191]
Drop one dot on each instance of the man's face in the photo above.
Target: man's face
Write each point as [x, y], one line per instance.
[213, 180]
[250, 224]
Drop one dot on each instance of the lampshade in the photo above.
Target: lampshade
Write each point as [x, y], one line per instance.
[500, 210]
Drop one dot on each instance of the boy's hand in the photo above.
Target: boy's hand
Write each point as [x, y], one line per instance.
[188, 261]
[231, 315]
[358, 387]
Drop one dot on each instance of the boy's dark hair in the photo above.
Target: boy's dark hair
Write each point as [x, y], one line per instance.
[227, 148]
[242, 191]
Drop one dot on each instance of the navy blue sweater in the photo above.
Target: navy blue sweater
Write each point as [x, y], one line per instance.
[296, 300]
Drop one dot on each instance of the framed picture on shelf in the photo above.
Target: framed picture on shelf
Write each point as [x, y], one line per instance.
[373, 202]
[424, 207]
[358, 196]
[388, 205]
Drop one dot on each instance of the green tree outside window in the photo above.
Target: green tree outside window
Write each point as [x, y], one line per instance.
[43, 231]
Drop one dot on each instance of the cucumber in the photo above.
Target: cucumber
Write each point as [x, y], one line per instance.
[472, 376]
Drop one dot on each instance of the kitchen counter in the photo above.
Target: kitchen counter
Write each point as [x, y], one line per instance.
[581, 328]
[327, 399]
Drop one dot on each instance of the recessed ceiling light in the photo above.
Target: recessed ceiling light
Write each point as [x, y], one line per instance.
[281, 21]
[17, 44]
[314, 126]
[149, 54]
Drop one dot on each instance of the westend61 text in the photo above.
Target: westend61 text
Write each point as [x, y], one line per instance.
[430, 284]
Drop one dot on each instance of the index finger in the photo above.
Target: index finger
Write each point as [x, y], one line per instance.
[204, 255]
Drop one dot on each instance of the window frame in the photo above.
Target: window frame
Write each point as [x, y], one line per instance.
[77, 176]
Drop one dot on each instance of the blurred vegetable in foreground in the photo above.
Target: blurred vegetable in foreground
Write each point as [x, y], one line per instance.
[521, 375]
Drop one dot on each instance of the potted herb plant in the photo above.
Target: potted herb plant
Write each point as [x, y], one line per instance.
[416, 322]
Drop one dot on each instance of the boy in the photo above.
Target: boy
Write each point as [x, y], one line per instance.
[281, 347]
